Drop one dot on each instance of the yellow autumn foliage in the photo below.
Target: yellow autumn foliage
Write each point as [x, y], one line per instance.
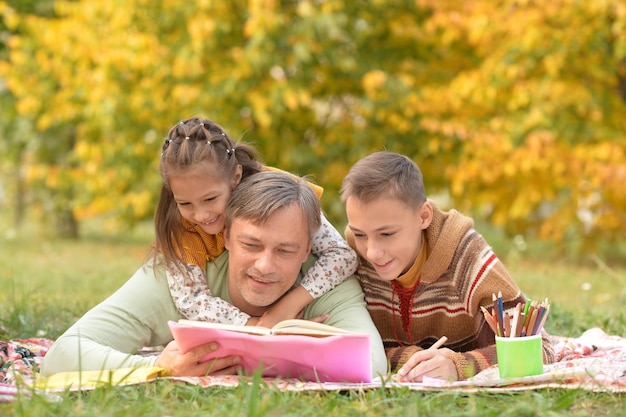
[514, 108]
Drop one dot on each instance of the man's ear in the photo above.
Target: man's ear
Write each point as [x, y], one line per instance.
[426, 215]
[307, 253]
[226, 238]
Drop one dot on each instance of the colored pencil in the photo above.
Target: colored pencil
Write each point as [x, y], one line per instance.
[496, 315]
[520, 325]
[526, 319]
[489, 319]
[531, 323]
[540, 312]
[541, 316]
[515, 324]
[543, 319]
[507, 324]
[501, 308]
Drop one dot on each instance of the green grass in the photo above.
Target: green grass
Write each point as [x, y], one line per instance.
[168, 399]
[48, 284]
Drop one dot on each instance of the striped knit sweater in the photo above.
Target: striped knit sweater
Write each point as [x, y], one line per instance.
[460, 274]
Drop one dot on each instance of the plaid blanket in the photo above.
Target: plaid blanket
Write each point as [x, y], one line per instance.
[19, 364]
[594, 361]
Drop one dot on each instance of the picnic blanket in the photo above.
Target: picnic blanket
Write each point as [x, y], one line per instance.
[19, 364]
[593, 361]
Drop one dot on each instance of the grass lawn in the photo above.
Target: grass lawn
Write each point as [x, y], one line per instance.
[49, 284]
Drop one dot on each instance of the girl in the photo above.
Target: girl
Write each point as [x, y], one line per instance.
[200, 166]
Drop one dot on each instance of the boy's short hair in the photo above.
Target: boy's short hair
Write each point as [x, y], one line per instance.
[385, 174]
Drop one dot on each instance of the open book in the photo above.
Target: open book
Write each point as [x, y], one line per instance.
[293, 326]
[291, 349]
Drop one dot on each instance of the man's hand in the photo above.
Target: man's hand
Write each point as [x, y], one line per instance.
[177, 363]
[433, 363]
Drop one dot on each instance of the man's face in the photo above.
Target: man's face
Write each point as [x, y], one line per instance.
[265, 259]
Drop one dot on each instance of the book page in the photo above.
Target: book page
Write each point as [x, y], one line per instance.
[307, 327]
[232, 327]
[285, 327]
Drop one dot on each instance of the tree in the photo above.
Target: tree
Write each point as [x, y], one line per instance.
[490, 98]
[542, 117]
[16, 131]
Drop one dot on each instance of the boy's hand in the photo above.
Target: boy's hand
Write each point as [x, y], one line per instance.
[433, 363]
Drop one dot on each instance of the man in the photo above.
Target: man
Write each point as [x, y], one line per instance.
[272, 217]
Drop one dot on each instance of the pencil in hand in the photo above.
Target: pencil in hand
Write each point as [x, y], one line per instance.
[438, 343]
[401, 375]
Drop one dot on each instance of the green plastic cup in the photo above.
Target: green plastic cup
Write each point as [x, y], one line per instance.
[519, 356]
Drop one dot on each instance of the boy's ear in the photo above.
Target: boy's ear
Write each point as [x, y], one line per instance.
[426, 214]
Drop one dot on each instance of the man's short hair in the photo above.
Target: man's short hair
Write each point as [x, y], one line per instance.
[257, 197]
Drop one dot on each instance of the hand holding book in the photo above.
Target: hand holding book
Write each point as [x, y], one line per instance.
[291, 349]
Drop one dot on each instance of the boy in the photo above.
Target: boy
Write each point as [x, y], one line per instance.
[425, 272]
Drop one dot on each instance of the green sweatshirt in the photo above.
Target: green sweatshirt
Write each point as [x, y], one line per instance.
[136, 315]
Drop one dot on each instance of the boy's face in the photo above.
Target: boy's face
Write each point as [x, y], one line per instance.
[388, 233]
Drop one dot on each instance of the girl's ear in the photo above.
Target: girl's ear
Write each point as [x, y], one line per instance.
[426, 214]
[238, 175]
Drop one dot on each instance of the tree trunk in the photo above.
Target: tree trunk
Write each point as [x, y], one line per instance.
[66, 224]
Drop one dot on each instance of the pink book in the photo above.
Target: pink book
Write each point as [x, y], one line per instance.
[292, 349]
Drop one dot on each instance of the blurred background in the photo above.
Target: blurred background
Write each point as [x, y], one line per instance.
[514, 110]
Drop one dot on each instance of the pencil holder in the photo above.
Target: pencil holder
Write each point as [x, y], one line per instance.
[519, 356]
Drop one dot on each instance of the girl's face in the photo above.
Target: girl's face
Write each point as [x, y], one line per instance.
[202, 197]
[388, 233]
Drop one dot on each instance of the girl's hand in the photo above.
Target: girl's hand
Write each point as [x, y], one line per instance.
[433, 363]
[252, 321]
[320, 319]
[290, 306]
